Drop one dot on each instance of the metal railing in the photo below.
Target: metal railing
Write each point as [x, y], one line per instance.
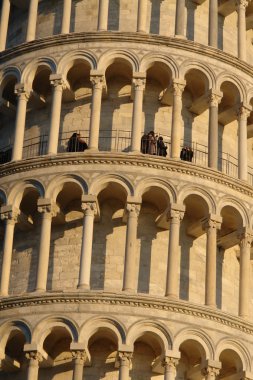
[120, 141]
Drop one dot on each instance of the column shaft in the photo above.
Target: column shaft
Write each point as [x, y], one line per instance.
[169, 365]
[180, 18]
[33, 370]
[213, 135]
[86, 251]
[173, 254]
[7, 255]
[241, 10]
[242, 144]
[129, 269]
[213, 23]
[66, 17]
[55, 116]
[124, 358]
[32, 20]
[5, 14]
[139, 85]
[176, 128]
[211, 247]
[103, 15]
[78, 369]
[142, 16]
[98, 83]
[20, 125]
[244, 281]
[44, 251]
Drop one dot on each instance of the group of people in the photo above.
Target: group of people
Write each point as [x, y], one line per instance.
[186, 154]
[151, 144]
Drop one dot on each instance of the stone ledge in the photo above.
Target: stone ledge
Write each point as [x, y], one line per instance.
[126, 159]
[147, 39]
[127, 300]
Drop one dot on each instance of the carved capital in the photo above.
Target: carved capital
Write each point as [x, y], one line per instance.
[214, 99]
[10, 214]
[97, 81]
[57, 82]
[175, 213]
[246, 238]
[178, 87]
[133, 209]
[89, 208]
[21, 92]
[125, 358]
[47, 209]
[241, 4]
[211, 224]
[210, 372]
[139, 84]
[170, 363]
[79, 355]
[34, 356]
[243, 113]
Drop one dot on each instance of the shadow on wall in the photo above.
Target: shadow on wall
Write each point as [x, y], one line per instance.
[113, 15]
[155, 17]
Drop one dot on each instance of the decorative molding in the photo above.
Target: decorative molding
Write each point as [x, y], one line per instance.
[126, 300]
[123, 159]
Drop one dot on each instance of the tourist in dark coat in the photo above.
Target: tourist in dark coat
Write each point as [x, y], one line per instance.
[76, 143]
[161, 147]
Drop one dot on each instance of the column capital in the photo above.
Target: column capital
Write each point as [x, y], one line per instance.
[178, 86]
[9, 213]
[34, 356]
[133, 209]
[125, 358]
[89, 208]
[212, 222]
[57, 80]
[176, 212]
[190, 4]
[97, 79]
[21, 91]
[210, 371]
[243, 112]
[139, 83]
[79, 355]
[171, 362]
[45, 206]
[241, 4]
[246, 237]
[214, 98]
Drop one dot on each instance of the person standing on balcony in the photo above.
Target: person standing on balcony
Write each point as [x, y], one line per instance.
[144, 144]
[76, 143]
[151, 143]
[161, 147]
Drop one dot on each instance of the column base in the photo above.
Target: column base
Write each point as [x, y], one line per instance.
[128, 290]
[39, 290]
[91, 150]
[213, 306]
[172, 296]
[83, 287]
[180, 36]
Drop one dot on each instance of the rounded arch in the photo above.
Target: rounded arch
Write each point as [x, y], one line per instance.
[238, 348]
[111, 324]
[239, 206]
[57, 183]
[204, 68]
[110, 56]
[10, 71]
[151, 58]
[45, 326]
[208, 199]
[168, 188]
[15, 196]
[227, 77]
[68, 60]
[158, 330]
[205, 342]
[3, 197]
[7, 327]
[30, 70]
[100, 183]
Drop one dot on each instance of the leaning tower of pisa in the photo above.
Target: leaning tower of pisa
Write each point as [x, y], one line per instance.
[124, 256]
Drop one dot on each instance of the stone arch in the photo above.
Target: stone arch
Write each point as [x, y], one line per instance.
[238, 348]
[3, 198]
[208, 199]
[205, 342]
[229, 201]
[16, 193]
[56, 185]
[110, 56]
[157, 330]
[205, 69]
[7, 327]
[91, 326]
[10, 71]
[45, 326]
[169, 190]
[30, 70]
[227, 77]
[77, 55]
[151, 58]
[99, 184]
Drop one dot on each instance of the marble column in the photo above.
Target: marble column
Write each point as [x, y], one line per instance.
[246, 237]
[98, 83]
[32, 20]
[90, 210]
[175, 216]
[5, 14]
[241, 11]
[213, 23]
[142, 16]
[139, 86]
[23, 97]
[180, 19]
[133, 211]
[79, 358]
[10, 215]
[243, 114]
[124, 366]
[211, 225]
[170, 368]
[66, 16]
[176, 127]
[58, 85]
[103, 15]
[48, 211]
[213, 130]
[34, 358]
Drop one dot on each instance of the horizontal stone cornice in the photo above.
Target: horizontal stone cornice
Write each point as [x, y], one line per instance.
[127, 160]
[126, 300]
[124, 37]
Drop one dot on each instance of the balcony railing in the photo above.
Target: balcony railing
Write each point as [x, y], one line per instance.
[120, 141]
